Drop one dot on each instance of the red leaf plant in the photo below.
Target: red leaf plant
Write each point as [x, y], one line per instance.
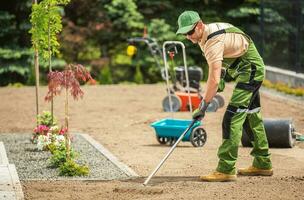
[68, 80]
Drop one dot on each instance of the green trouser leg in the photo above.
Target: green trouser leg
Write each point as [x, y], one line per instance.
[260, 144]
[233, 122]
[228, 151]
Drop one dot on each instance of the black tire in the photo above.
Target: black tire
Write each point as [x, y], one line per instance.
[198, 137]
[176, 103]
[162, 140]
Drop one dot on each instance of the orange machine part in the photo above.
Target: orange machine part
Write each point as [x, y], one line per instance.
[195, 100]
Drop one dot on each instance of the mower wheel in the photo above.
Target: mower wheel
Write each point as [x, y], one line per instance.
[162, 140]
[220, 100]
[198, 136]
[213, 106]
[176, 103]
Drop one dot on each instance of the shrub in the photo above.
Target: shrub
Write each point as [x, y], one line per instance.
[282, 87]
[46, 119]
[59, 156]
[71, 168]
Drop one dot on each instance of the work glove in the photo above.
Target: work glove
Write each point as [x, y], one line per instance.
[199, 113]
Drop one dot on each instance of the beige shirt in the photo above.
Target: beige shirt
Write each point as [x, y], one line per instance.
[228, 45]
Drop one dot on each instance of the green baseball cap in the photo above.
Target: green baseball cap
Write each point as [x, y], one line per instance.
[186, 21]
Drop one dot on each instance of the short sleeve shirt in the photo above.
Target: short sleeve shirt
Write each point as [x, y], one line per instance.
[228, 45]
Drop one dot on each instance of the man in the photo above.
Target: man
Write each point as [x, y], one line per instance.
[227, 46]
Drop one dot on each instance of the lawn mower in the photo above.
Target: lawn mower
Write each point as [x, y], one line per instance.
[185, 94]
[177, 96]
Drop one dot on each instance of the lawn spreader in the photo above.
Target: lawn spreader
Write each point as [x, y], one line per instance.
[169, 130]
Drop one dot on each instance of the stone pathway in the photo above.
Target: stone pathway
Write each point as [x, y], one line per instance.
[10, 187]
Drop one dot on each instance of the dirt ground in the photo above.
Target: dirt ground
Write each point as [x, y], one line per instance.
[118, 117]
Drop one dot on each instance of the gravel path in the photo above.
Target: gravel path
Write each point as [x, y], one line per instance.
[32, 164]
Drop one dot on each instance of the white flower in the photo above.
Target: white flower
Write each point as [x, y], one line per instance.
[42, 142]
[59, 139]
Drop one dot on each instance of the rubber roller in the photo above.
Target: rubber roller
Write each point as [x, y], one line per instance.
[280, 133]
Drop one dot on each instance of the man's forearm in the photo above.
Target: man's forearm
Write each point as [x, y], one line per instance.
[211, 89]
[213, 81]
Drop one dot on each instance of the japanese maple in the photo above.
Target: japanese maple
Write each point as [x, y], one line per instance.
[68, 80]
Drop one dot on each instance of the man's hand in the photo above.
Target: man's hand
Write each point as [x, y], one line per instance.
[199, 113]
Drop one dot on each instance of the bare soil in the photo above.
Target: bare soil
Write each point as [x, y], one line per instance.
[118, 116]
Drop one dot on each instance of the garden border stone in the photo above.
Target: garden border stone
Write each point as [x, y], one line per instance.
[9, 183]
[109, 155]
[3, 156]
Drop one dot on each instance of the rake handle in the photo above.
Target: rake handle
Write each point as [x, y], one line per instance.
[169, 153]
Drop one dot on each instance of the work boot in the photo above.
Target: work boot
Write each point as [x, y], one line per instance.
[253, 171]
[218, 177]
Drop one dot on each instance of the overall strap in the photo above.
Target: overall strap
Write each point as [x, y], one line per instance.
[228, 30]
[216, 33]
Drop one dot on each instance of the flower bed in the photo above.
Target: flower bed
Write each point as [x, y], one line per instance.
[33, 164]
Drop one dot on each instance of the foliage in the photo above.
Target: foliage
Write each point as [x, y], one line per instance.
[59, 157]
[67, 79]
[94, 33]
[138, 78]
[47, 134]
[46, 119]
[14, 65]
[16, 85]
[159, 29]
[14, 24]
[46, 24]
[125, 18]
[282, 87]
[71, 168]
[243, 12]
[89, 52]
[105, 75]
[7, 24]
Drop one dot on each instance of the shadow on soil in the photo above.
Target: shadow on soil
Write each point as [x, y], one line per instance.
[167, 146]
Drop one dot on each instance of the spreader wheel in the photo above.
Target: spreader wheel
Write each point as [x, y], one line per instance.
[172, 141]
[198, 137]
[162, 140]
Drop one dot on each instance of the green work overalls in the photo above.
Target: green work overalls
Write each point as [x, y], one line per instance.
[243, 110]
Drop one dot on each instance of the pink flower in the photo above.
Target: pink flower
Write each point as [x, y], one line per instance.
[63, 131]
[41, 129]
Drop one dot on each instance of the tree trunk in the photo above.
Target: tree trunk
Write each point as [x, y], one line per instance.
[50, 64]
[67, 134]
[36, 65]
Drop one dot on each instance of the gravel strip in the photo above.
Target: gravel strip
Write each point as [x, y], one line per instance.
[32, 164]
